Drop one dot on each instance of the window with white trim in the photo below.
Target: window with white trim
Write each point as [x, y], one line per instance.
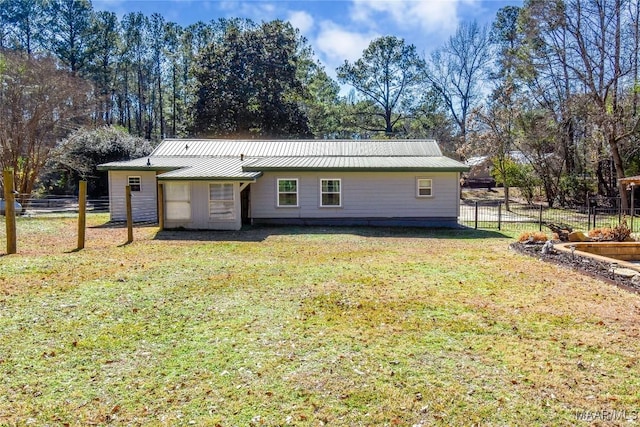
[177, 196]
[287, 192]
[221, 202]
[424, 187]
[330, 193]
[135, 183]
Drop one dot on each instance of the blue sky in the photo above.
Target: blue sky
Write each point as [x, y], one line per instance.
[337, 30]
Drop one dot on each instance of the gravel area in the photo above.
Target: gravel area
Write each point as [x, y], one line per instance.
[594, 268]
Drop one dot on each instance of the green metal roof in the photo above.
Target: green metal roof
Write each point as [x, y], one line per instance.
[213, 159]
[296, 148]
[145, 163]
[218, 168]
[439, 163]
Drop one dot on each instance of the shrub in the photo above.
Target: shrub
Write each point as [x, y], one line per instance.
[619, 233]
[601, 234]
[532, 236]
[622, 232]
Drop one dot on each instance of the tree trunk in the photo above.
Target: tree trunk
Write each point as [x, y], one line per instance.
[617, 162]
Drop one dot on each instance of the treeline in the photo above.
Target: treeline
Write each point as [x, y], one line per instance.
[565, 94]
[155, 78]
[554, 82]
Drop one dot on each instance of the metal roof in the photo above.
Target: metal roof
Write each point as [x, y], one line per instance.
[155, 163]
[439, 163]
[218, 168]
[296, 148]
[214, 159]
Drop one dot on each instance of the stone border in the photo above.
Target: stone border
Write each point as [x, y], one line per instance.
[590, 266]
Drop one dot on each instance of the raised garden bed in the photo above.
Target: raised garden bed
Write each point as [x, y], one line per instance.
[593, 267]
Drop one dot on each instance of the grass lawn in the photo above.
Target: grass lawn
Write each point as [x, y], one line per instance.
[306, 326]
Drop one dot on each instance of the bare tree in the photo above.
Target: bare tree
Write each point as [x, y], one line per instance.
[577, 47]
[39, 104]
[457, 70]
[495, 125]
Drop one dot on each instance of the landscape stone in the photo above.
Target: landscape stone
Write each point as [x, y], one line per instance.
[624, 272]
[578, 236]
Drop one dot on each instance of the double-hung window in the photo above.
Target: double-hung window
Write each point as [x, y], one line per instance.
[287, 192]
[330, 193]
[221, 203]
[424, 187]
[134, 182]
[177, 197]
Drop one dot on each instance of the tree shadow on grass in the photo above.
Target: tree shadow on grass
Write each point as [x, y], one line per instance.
[123, 224]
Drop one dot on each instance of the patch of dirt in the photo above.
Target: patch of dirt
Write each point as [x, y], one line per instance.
[586, 265]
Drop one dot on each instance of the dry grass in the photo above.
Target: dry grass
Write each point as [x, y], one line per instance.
[304, 327]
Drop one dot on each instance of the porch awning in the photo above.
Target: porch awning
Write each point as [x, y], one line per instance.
[630, 180]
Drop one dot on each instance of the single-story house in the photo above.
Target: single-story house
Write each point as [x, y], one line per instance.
[222, 184]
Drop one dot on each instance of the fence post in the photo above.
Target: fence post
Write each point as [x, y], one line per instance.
[594, 216]
[129, 214]
[620, 211]
[10, 212]
[82, 213]
[540, 219]
[500, 216]
[476, 215]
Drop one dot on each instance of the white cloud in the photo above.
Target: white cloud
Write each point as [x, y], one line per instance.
[430, 16]
[301, 20]
[336, 43]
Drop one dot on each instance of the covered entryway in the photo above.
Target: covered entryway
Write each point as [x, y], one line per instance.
[245, 205]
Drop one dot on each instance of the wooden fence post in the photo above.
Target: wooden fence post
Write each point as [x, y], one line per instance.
[129, 214]
[82, 213]
[10, 211]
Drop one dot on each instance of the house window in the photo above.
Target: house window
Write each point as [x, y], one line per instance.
[424, 187]
[221, 203]
[288, 192]
[177, 201]
[330, 192]
[134, 182]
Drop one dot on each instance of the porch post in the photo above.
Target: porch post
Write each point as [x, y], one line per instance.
[161, 206]
[129, 214]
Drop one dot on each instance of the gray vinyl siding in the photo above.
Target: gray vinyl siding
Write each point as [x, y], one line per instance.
[364, 195]
[143, 203]
[200, 219]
